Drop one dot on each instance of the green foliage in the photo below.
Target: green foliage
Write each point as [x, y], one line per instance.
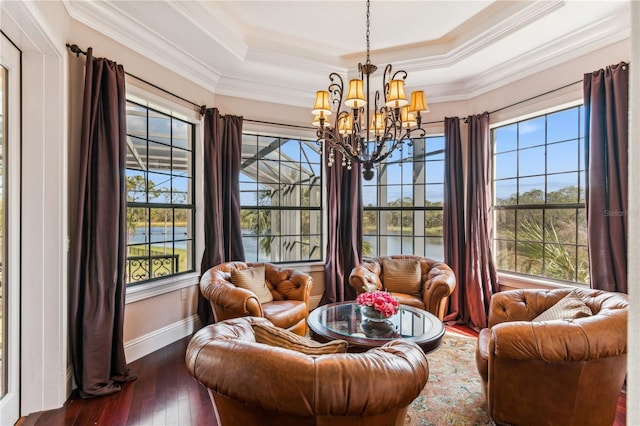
[559, 263]
[544, 234]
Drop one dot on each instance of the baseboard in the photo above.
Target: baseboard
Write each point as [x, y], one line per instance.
[71, 382]
[151, 342]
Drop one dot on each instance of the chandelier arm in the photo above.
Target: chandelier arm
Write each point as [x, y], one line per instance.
[386, 154]
[386, 77]
[414, 133]
[401, 73]
[346, 151]
[336, 91]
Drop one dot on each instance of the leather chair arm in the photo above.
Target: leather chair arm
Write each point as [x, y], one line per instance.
[231, 298]
[558, 341]
[439, 284]
[366, 275]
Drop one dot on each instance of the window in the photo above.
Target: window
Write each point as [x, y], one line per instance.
[160, 187]
[403, 206]
[539, 206]
[281, 199]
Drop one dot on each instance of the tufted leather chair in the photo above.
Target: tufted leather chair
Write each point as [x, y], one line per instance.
[252, 383]
[438, 282]
[290, 289]
[561, 372]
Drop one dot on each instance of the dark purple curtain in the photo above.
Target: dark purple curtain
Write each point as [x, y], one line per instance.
[222, 163]
[98, 250]
[453, 217]
[344, 245]
[606, 102]
[480, 281]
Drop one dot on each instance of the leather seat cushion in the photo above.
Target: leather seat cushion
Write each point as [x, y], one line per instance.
[285, 313]
[409, 299]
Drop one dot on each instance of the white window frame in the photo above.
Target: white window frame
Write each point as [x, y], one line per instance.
[545, 105]
[144, 96]
[253, 132]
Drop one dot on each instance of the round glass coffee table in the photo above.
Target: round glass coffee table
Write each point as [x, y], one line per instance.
[344, 321]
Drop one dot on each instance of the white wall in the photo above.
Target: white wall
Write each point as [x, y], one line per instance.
[44, 202]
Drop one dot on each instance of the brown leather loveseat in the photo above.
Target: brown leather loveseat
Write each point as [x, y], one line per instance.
[290, 290]
[563, 371]
[272, 380]
[435, 282]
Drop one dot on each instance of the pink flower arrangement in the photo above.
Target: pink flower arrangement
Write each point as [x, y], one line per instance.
[381, 301]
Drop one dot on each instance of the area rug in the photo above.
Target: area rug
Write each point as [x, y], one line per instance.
[453, 394]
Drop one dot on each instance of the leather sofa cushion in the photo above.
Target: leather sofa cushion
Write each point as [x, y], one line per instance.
[252, 279]
[275, 336]
[284, 313]
[569, 307]
[402, 275]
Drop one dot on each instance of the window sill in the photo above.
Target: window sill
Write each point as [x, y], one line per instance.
[303, 266]
[513, 281]
[156, 288]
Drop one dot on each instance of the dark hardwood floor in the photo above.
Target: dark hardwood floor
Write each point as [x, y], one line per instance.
[164, 394]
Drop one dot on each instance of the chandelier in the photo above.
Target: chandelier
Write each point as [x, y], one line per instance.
[363, 135]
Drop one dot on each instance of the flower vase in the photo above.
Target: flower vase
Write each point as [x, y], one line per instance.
[371, 314]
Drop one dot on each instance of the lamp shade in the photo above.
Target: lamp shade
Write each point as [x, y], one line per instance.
[345, 124]
[316, 120]
[355, 94]
[408, 118]
[418, 102]
[322, 107]
[377, 123]
[396, 97]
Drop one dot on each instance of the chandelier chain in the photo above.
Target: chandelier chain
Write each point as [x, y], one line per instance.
[368, 33]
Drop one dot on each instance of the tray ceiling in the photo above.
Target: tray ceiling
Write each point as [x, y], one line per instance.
[283, 51]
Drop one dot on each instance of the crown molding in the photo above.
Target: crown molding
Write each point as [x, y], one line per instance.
[212, 26]
[113, 23]
[259, 91]
[593, 37]
[468, 39]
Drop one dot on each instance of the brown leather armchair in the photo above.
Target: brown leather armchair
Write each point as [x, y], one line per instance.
[253, 383]
[560, 372]
[290, 289]
[438, 282]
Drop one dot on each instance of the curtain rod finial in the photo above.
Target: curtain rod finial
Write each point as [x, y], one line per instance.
[203, 110]
[75, 49]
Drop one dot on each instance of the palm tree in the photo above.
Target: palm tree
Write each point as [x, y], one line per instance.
[558, 262]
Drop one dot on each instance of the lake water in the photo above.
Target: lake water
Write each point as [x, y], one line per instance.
[433, 247]
[159, 235]
[395, 244]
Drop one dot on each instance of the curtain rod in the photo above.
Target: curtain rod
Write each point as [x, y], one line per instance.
[279, 124]
[201, 108]
[536, 96]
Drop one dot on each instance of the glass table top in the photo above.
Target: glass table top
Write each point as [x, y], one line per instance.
[344, 320]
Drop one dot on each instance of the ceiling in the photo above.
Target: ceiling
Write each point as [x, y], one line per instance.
[283, 51]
